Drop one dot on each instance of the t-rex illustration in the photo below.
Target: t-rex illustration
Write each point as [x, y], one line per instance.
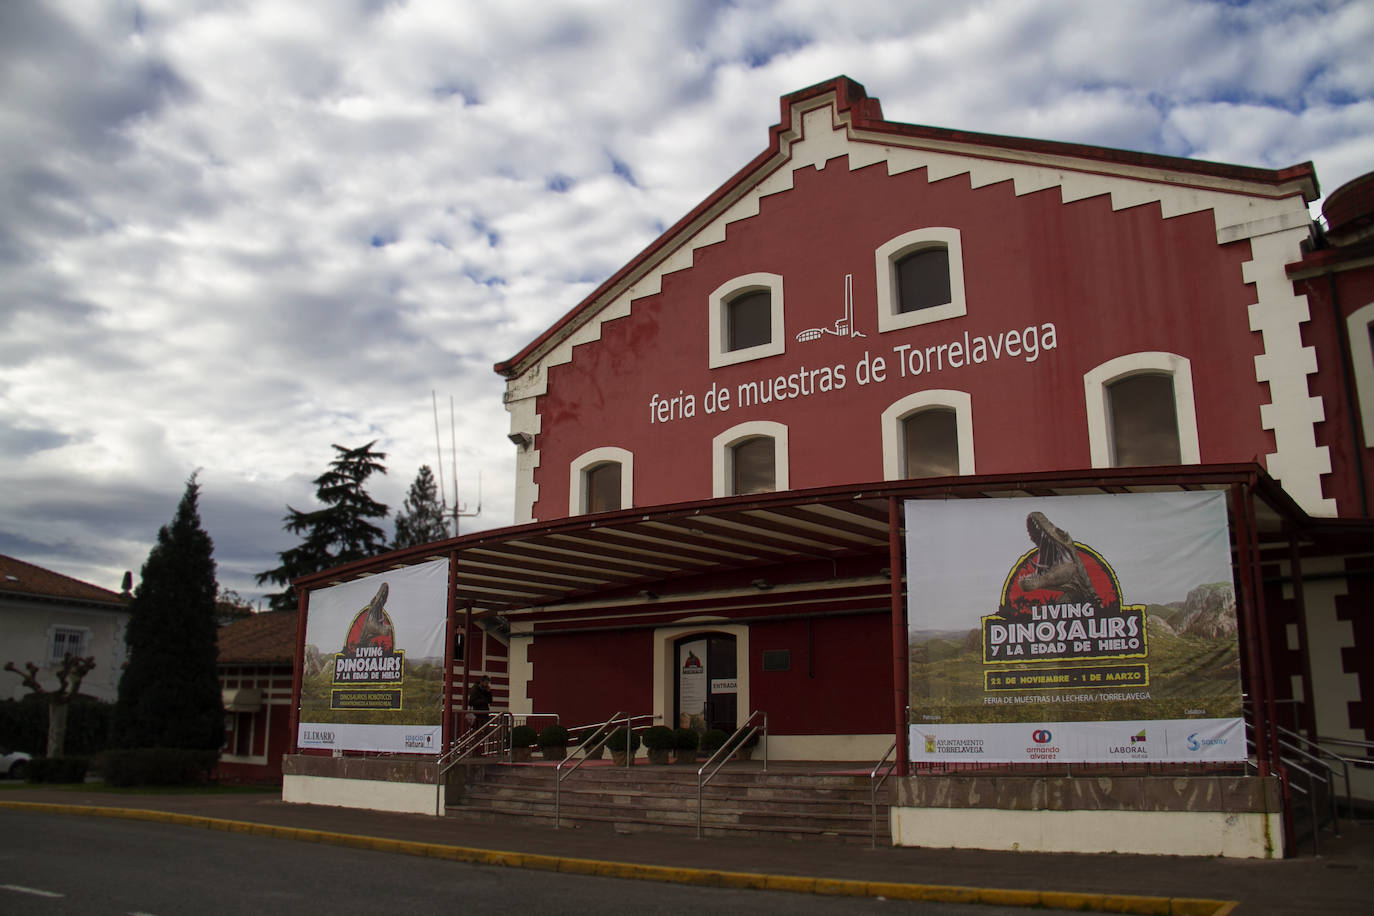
[1058, 566]
[376, 624]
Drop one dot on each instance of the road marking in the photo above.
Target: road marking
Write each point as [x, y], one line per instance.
[29, 890]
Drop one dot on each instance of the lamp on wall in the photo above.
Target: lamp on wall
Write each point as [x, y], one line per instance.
[522, 440]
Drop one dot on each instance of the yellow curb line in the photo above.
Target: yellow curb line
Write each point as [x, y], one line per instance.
[1061, 900]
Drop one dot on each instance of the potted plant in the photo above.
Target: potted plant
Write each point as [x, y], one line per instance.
[623, 742]
[587, 740]
[685, 741]
[553, 742]
[713, 740]
[659, 741]
[745, 751]
[522, 741]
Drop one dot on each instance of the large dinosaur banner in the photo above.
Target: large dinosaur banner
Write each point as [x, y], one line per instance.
[373, 677]
[1096, 628]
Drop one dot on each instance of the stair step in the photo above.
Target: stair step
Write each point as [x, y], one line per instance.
[835, 806]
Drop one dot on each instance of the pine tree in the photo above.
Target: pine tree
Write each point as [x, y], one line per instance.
[421, 519]
[340, 532]
[169, 694]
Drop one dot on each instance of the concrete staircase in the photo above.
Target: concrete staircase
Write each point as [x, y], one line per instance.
[812, 801]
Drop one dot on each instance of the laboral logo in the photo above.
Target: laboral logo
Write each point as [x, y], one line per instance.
[1062, 600]
[1135, 747]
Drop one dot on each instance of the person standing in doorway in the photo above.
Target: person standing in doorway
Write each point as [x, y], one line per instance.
[479, 701]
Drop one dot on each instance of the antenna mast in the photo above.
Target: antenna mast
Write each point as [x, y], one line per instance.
[458, 510]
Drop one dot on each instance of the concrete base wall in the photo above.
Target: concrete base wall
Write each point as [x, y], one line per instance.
[405, 798]
[1154, 815]
[371, 783]
[1178, 833]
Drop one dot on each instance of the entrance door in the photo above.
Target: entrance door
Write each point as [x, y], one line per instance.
[707, 684]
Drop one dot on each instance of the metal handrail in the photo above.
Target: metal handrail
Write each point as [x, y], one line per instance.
[466, 747]
[1311, 793]
[1320, 752]
[1290, 764]
[874, 783]
[602, 734]
[732, 744]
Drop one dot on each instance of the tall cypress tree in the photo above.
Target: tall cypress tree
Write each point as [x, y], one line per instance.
[421, 519]
[169, 694]
[341, 532]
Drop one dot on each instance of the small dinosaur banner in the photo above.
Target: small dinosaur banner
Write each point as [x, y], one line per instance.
[1094, 628]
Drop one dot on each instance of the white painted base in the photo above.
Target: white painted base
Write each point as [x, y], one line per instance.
[864, 748]
[1242, 835]
[374, 795]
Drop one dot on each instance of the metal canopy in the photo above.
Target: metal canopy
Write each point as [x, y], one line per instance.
[543, 565]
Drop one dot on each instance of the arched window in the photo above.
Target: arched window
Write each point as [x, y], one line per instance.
[1140, 411]
[920, 278]
[749, 458]
[746, 319]
[601, 480]
[928, 434]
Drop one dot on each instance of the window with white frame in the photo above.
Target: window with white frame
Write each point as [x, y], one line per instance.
[63, 641]
[1141, 411]
[928, 434]
[750, 458]
[1360, 328]
[746, 319]
[920, 278]
[601, 480]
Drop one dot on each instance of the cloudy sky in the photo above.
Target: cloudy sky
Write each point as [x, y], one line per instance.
[235, 232]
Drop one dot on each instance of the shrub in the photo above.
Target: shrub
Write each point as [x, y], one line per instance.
[24, 725]
[713, 740]
[159, 766]
[619, 738]
[523, 736]
[553, 736]
[658, 738]
[685, 739]
[57, 769]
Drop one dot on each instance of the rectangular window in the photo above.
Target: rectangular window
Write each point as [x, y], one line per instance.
[753, 466]
[1144, 418]
[777, 659]
[923, 279]
[750, 320]
[603, 487]
[931, 443]
[65, 640]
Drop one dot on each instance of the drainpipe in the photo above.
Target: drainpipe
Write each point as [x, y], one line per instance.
[1356, 428]
[446, 730]
[1253, 662]
[302, 605]
[900, 668]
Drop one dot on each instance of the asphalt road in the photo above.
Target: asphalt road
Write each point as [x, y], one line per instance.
[54, 864]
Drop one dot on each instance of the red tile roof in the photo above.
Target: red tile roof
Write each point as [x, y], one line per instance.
[25, 579]
[268, 638]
